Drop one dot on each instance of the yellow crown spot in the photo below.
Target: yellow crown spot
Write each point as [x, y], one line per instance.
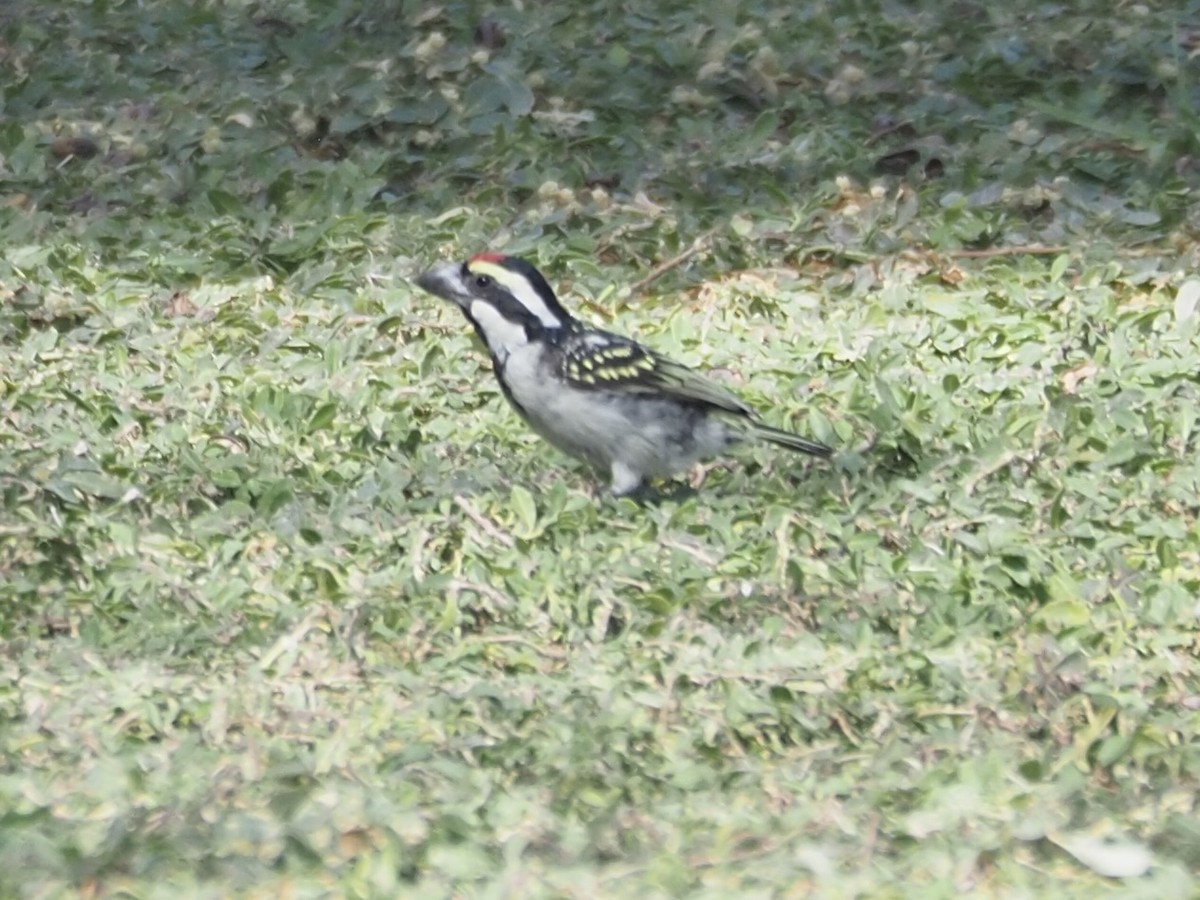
[495, 272]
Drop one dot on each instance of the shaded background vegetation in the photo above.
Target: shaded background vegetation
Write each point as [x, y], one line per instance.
[288, 599]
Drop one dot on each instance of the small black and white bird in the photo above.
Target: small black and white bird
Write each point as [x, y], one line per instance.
[597, 396]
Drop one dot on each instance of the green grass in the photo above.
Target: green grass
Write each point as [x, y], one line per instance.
[290, 602]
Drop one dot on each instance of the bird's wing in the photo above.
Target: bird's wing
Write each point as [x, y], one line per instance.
[602, 361]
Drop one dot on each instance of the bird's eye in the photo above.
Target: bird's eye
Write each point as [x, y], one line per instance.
[482, 281]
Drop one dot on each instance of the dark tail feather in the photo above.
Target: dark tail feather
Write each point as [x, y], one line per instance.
[791, 441]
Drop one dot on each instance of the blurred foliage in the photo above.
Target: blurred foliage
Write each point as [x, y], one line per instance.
[290, 602]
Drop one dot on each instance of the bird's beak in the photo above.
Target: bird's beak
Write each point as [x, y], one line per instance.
[445, 280]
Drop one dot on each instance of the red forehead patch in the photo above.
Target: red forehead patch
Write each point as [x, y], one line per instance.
[487, 257]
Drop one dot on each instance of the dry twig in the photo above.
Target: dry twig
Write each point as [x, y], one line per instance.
[483, 522]
[1024, 250]
[663, 268]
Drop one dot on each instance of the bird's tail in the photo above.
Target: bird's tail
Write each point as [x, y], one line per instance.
[791, 441]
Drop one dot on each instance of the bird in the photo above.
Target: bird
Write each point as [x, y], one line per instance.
[628, 411]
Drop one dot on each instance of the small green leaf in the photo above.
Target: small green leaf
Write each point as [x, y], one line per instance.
[1113, 749]
[1186, 300]
[525, 509]
[274, 498]
[224, 202]
[1112, 859]
[322, 417]
[1062, 588]
[281, 188]
[950, 306]
[1061, 615]
[764, 127]
[1142, 218]
[425, 111]
[618, 57]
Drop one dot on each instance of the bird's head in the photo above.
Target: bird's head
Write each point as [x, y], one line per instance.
[505, 298]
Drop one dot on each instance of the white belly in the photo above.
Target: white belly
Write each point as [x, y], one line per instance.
[657, 438]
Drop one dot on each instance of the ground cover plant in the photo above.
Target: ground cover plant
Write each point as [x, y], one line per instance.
[291, 602]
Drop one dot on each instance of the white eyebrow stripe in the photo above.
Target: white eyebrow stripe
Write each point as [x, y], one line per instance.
[519, 288]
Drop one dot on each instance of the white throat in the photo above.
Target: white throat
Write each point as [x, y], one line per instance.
[502, 336]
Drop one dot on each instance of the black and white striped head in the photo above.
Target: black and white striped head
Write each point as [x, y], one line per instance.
[505, 298]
